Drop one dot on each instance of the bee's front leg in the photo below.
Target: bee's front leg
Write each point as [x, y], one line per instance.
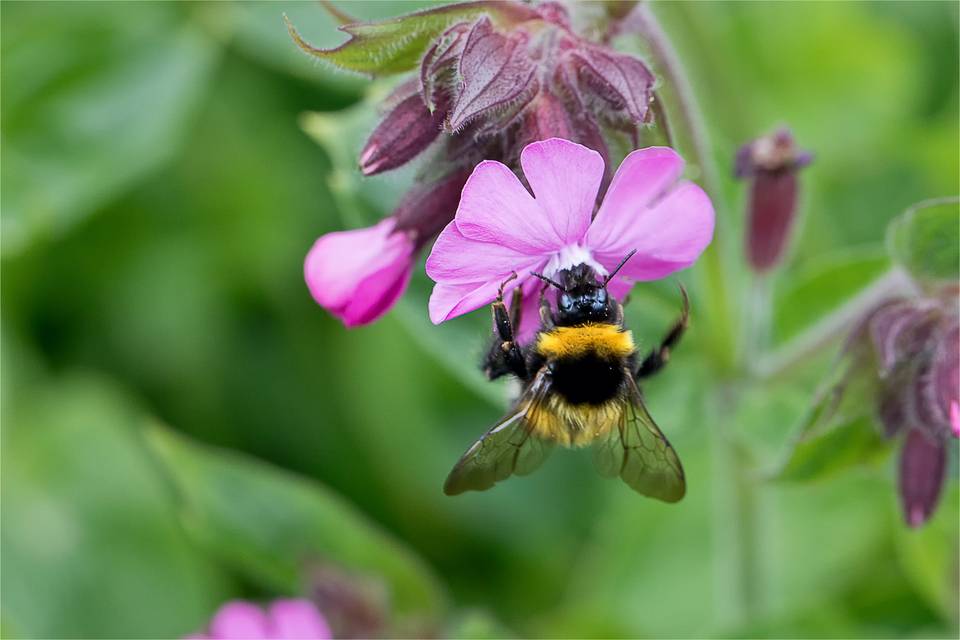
[658, 358]
[504, 355]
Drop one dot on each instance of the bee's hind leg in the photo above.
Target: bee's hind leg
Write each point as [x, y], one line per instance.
[658, 358]
[504, 355]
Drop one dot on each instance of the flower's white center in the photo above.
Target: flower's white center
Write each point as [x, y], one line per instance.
[570, 256]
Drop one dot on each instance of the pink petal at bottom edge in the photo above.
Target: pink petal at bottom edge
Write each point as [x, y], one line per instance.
[297, 620]
[451, 300]
[375, 296]
[238, 620]
[955, 419]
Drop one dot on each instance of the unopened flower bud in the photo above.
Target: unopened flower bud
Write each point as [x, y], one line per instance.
[771, 164]
[428, 207]
[358, 275]
[496, 73]
[356, 606]
[923, 462]
[915, 364]
[408, 129]
[623, 83]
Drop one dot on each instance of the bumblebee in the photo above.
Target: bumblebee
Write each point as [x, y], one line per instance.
[579, 387]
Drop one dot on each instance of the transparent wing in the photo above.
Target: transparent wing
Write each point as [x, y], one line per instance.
[639, 453]
[508, 448]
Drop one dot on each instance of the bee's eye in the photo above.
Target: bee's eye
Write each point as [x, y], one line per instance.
[601, 296]
[565, 302]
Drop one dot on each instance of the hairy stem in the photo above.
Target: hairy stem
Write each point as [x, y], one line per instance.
[773, 364]
[715, 290]
[744, 541]
[756, 321]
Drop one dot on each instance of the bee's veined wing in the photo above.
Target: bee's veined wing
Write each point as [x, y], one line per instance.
[508, 448]
[639, 453]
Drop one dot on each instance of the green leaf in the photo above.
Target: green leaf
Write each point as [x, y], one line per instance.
[840, 430]
[111, 106]
[929, 555]
[273, 526]
[396, 45]
[475, 624]
[925, 239]
[842, 446]
[824, 286]
[90, 540]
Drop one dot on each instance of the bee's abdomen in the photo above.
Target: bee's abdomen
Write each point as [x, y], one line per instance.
[587, 380]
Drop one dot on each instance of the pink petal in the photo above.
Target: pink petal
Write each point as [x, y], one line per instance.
[529, 312]
[619, 288]
[456, 259]
[239, 620]
[565, 178]
[669, 235]
[375, 295]
[451, 300]
[955, 419]
[358, 275]
[643, 177]
[495, 207]
[297, 620]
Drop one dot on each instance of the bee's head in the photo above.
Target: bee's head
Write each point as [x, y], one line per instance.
[582, 295]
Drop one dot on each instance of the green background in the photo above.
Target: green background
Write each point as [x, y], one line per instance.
[183, 425]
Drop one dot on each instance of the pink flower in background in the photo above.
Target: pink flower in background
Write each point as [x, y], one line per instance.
[358, 275]
[281, 620]
[500, 227]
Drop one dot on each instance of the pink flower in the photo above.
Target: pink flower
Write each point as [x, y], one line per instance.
[358, 275]
[500, 227]
[281, 620]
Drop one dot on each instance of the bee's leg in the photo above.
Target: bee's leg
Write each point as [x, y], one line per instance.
[504, 355]
[658, 358]
[546, 313]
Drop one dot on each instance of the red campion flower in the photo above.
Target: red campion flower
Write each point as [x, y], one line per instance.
[493, 78]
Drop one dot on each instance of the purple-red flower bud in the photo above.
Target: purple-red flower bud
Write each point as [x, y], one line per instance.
[923, 462]
[407, 130]
[495, 73]
[914, 358]
[771, 162]
[622, 82]
[427, 208]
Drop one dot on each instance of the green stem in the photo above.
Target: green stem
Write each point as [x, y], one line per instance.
[756, 321]
[714, 289]
[744, 540]
[776, 363]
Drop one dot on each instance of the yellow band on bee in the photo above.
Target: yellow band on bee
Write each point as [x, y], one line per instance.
[574, 425]
[607, 341]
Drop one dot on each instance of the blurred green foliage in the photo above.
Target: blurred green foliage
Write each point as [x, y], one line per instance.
[161, 185]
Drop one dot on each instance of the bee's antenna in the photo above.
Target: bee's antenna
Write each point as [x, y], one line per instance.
[548, 281]
[619, 266]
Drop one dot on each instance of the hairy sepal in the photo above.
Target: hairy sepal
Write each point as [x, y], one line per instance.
[396, 45]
